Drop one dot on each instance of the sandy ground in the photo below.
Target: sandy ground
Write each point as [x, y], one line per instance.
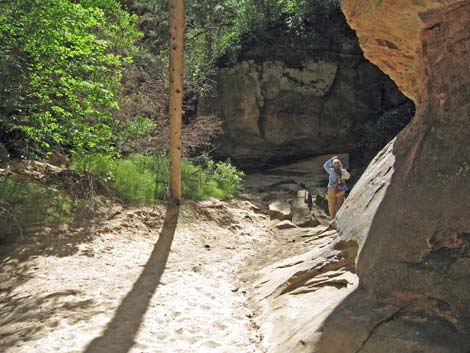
[112, 288]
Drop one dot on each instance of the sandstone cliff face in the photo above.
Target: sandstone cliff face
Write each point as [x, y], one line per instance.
[407, 217]
[390, 33]
[275, 106]
[415, 239]
[419, 237]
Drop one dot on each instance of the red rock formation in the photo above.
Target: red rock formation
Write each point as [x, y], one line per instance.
[425, 47]
[413, 230]
[390, 33]
[408, 216]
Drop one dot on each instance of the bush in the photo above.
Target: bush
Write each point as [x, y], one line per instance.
[321, 199]
[61, 65]
[145, 179]
[23, 204]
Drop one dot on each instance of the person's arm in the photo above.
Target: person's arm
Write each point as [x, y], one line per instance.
[328, 166]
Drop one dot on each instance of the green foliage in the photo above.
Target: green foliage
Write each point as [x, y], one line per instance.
[63, 61]
[23, 204]
[321, 199]
[138, 126]
[144, 179]
[227, 177]
[215, 29]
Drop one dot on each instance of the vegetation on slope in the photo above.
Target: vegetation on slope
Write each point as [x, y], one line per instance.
[88, 80]
[62, 64]
[144, 179]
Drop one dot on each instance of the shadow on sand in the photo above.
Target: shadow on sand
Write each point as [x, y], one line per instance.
[122, 329]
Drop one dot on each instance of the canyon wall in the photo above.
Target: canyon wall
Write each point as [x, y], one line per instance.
[409, 212]
[403, 242]
[419, 236]
[293, 96]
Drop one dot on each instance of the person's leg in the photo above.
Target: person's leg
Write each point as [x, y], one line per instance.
[332, 202]
[339, 200]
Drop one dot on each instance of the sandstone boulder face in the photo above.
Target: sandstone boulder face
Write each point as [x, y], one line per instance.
[274, 107]
[419, 236]
[394, 43]
[285, 225]
[300, 292]
[405, 224]
[355, 217]
[409, 212]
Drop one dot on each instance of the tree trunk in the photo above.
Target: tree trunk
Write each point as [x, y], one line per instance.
[176, 95]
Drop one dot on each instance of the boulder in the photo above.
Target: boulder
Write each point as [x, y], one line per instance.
[413, 250]
[354, 218]
[303, 217]
[280, 209]
[406, 236]
[285, 225]
[300, 292]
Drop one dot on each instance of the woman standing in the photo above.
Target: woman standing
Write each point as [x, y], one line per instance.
[336, 184]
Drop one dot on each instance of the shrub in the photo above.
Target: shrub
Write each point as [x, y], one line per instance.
[321, 199]
[144, 179]
[61, 64]
[23, 204]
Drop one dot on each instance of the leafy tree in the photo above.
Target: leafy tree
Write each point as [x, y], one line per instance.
[62, 62]
[214, 28]
[61, 67]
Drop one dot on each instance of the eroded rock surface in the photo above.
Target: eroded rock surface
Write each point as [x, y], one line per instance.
[287, 178]
[405, 225]
[280, 209]
[300, 292]
[278, 103]
[418, 235]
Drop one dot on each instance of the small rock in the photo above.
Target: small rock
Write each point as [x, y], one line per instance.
[280, 210]
[197, 268]
[302, 217]
[252, 206]
[211, 203]
[285, 225]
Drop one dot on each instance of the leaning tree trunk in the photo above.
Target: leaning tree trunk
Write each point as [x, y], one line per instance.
[176, 95]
